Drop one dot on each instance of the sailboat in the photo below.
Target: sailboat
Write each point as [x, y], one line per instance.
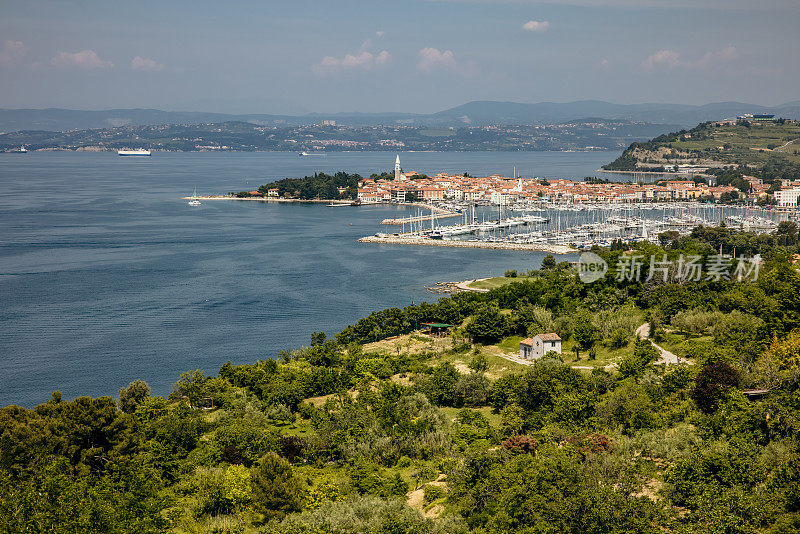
[194, 201]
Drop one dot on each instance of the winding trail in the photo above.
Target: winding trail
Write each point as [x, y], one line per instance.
[665, 356]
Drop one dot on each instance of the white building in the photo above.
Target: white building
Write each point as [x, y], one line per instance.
[787, 197]
[537, 346]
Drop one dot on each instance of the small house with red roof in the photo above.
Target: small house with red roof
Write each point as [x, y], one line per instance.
[535, 347]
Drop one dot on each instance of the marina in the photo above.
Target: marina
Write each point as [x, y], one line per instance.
[571, 227]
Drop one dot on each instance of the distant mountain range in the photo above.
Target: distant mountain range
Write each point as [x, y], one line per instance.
[473, 113]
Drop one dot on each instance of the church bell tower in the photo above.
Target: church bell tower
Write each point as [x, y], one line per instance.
[397, 176]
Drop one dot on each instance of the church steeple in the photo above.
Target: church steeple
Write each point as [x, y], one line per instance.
[397, 175]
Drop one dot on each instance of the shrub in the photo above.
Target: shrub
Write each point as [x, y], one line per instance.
[520, 444]
[433, 492]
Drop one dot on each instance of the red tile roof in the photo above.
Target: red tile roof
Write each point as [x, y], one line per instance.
[549, 337]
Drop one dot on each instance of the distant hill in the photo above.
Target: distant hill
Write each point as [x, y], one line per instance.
[473, 113]
[481, 112]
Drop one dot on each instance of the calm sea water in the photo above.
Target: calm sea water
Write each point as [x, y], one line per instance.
[106, 276]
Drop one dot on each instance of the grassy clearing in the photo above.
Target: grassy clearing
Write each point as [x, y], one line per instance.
[605, 355]
[486, 411]
[497, 365]
[409, 344]
[498, 281]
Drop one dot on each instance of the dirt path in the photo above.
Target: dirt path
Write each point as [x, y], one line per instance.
[665, 356]
[416, 498]
[780, 148]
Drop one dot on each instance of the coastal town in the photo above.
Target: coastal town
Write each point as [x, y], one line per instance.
[507, 190]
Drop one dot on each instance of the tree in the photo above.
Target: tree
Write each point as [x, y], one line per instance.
[443, 384]
[711, 383]
[131, 396]
[786, 351]
[644, 353]
[472, 390]
[548, 263]
[276, 492]
[488, 324]
[584, 331]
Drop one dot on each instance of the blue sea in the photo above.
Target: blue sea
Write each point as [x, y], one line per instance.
[106, 276]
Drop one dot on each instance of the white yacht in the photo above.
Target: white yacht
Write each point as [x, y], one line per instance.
[136, 152]
[194, 201]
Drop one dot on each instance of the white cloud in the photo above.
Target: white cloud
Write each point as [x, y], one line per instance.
[536, 26]
[85, 59]
[431, 59]
[725, 55]
[12, 52]
[662, 57]
[671, 59]
[145, 63]
[362, 60]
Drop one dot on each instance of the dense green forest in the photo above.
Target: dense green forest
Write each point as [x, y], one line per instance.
[341, 185]
[382, 429]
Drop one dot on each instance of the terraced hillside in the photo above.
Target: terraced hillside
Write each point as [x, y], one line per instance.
[744, 144]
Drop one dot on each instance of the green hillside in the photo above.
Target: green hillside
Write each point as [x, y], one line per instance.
[772, 147]
[385, 429]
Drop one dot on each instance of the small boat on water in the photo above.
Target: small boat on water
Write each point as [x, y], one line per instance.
[135, 152]
[194, 201]
[20, 150]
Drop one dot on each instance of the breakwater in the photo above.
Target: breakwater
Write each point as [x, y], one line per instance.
[420, 218]
[493, 245]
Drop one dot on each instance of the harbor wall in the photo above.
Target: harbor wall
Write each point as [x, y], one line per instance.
[538, 247]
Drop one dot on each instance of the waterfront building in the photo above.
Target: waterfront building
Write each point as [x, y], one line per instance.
[787, 198]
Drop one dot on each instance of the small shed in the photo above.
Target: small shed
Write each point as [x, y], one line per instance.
[436, 329]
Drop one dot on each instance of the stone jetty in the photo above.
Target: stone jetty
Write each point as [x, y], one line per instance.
[494, 245]
[420, 218]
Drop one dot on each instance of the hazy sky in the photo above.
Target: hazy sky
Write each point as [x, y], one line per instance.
[412, 56]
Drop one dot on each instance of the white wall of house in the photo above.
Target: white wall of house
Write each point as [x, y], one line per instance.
[538, 348]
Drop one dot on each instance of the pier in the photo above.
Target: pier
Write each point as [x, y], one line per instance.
[420, 218]
[493, 245]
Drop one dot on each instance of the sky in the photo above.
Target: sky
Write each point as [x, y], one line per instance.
[293, 57]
